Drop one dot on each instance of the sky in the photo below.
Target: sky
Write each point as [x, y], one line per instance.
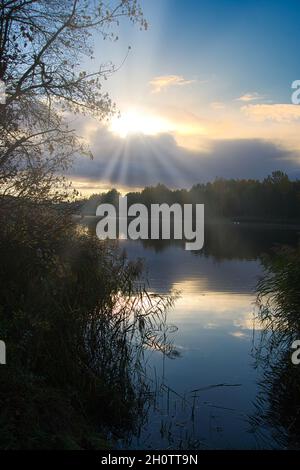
[205, 92]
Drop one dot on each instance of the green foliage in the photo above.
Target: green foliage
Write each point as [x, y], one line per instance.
[75, 319]
[279, 296]
[278, 300]
[274, 198]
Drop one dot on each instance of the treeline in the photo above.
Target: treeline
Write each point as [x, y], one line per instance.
[275, 197]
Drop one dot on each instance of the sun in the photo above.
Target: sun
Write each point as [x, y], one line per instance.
[135, 121]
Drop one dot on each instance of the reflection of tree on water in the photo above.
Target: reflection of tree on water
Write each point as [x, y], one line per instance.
[225, 239]
[277, 418]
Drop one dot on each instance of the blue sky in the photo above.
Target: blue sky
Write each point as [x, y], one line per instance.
[205, 72]
[243, 44]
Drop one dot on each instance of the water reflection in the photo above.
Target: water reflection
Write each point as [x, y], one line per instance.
[235, 241]
[207, 395]
[277, 403]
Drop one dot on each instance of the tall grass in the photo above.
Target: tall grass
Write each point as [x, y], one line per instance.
[76, 318]
[277, 417]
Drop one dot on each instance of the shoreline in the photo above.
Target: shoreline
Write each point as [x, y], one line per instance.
[243, 223]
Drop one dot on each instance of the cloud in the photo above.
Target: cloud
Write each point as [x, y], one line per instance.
[141, 160]
[217, 105]
[273, 112]
[165, 81]
[250, 97]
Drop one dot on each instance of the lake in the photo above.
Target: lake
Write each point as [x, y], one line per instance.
[206, 395]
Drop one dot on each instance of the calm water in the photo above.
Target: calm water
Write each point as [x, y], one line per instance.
[215, 321]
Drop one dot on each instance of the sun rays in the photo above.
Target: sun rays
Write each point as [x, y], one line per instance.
[135, 121]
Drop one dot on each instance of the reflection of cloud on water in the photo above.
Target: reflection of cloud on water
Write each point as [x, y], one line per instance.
[175, 267]
[211, 326]
[239, 335]
[214, 296]
[214, 309]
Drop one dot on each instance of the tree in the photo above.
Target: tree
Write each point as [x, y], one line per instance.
[42, 46]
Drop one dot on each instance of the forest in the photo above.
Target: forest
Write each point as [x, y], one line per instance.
[275, 198]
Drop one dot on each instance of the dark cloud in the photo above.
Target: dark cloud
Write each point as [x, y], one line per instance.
[142, 160]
